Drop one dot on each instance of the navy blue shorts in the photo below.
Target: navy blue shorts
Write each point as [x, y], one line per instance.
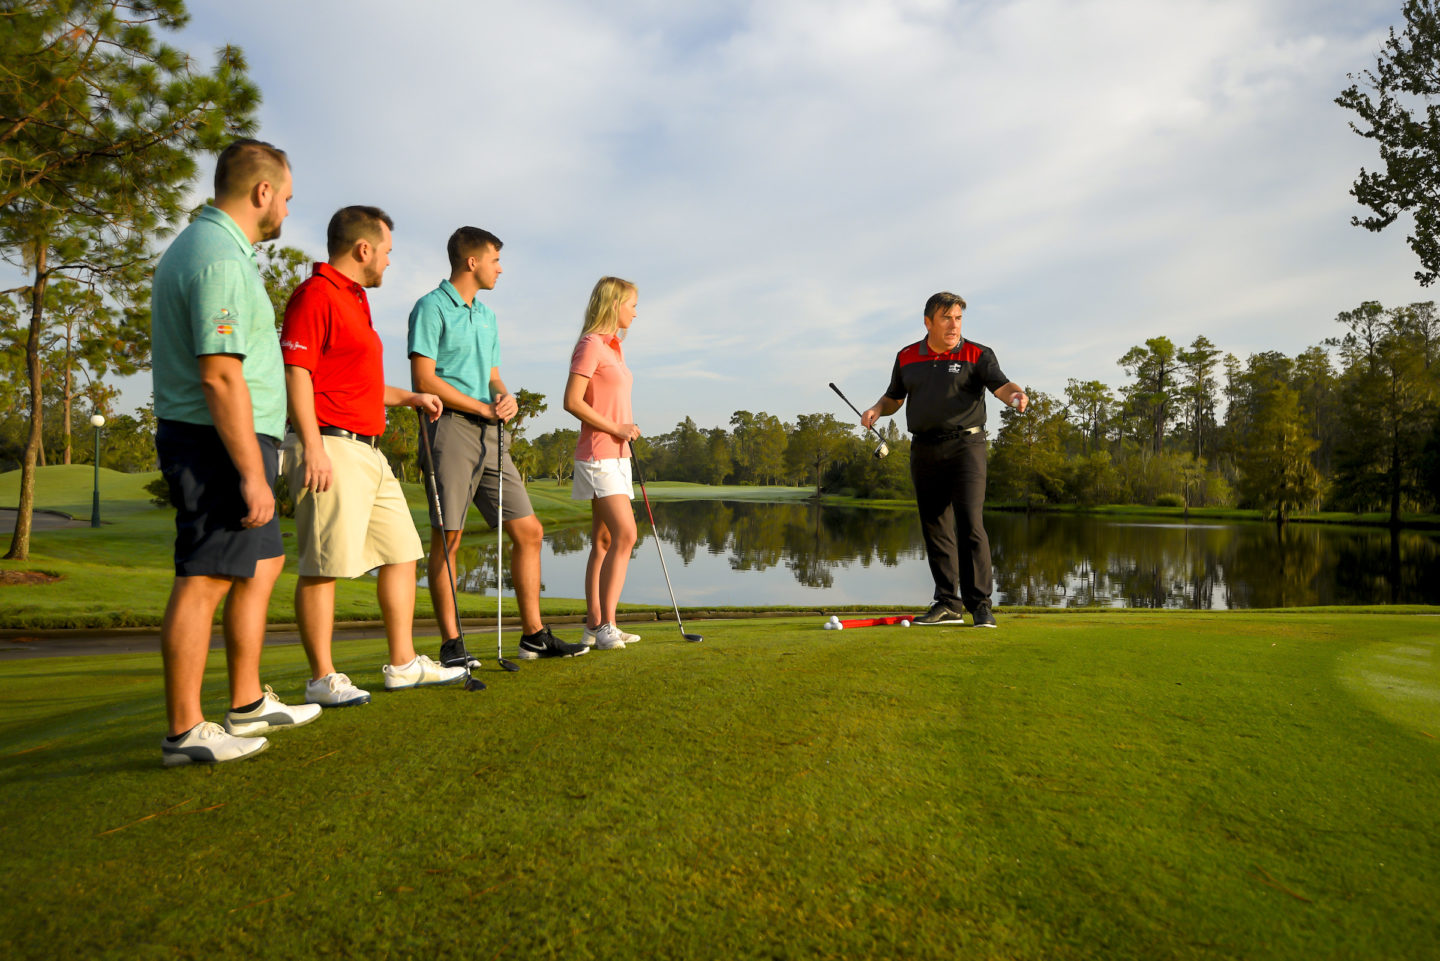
[205, 489]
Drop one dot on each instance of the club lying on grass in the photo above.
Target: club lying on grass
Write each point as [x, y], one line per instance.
[472, 683]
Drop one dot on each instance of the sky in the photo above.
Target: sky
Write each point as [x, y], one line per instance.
[787, 181]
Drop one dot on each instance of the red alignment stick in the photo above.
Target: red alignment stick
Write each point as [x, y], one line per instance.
[875, 621]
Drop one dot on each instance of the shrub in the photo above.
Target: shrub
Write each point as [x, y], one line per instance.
[1169, 500]
[159, 491]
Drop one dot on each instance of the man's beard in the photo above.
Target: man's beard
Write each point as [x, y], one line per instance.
[269, 230]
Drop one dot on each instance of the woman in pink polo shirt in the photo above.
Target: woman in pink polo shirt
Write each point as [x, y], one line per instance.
[598, 393]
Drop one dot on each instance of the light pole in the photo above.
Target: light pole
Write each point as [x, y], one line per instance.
[96, 421]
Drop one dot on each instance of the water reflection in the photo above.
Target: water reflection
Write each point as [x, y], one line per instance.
[743, 553]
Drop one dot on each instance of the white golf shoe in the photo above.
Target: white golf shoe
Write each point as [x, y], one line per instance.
[271, 713]
[207, 743]
[421, 672]
[334, 690]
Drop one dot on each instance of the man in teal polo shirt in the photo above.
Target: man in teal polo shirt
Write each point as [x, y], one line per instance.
[220, 404]
[455, 354]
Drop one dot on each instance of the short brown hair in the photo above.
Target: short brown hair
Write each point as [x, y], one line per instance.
[246, 163]
[941, 302]
[352, 224]
[468, 242]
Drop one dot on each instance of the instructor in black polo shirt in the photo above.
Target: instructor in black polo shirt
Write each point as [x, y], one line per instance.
[945, 377]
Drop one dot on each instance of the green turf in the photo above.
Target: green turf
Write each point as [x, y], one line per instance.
[1166, 785]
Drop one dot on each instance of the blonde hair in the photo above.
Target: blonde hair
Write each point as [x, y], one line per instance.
[600, 312]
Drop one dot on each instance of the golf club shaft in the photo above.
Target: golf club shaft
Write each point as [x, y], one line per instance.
[499, 535]
[434, 486]
[654, 533]
[871, 428]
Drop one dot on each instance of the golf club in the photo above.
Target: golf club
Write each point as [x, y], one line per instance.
[472, 683]
[880, 451]
[500, 544]
[640, 476]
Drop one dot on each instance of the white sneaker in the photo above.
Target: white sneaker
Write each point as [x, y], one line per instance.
[334, 690]
[421, 672]
[608, 638]
[270, 713]
[589, 639]
[207, 743]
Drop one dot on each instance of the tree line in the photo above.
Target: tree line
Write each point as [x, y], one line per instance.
[1351, 424]
[102, 122]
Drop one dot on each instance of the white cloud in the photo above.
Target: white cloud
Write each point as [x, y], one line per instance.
[788, 180]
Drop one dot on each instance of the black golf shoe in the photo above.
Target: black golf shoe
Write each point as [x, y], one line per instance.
[544, 644]
[982, 617]
[453, 654]
[938, 614]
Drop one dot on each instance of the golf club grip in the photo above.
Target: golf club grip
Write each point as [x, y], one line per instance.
[842, 396]
[871, 428]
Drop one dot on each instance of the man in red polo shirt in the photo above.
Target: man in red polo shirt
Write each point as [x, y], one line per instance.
[350, 514]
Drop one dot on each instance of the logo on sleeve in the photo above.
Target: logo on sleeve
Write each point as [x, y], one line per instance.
[222, 325]
[293, 345]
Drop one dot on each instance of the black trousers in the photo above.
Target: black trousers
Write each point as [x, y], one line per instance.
[949, 479]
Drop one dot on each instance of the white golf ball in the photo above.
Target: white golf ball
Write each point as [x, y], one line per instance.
[839, 626]
[834, 618]
[904, 623]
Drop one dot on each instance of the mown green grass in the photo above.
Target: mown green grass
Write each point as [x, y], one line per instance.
[1168, 785]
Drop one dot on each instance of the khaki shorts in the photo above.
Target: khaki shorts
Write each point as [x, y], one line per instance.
[467, 470]
[362, 522]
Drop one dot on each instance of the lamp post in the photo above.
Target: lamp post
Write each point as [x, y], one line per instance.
[97, 422]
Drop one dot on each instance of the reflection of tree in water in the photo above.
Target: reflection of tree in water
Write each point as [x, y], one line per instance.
[808, 539]
[568, 540]
[1049, 559]
[1057, 561]
[475, 567]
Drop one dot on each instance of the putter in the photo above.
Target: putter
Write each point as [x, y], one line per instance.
[880, 451]
[472, 683]
[640, 476]
[500, 545]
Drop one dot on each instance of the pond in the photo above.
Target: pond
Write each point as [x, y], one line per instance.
[726, 553]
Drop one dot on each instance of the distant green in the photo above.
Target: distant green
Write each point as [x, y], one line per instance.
[1159, 785]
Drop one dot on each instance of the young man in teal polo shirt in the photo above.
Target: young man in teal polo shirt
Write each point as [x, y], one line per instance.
[220, 403]
[455, 354]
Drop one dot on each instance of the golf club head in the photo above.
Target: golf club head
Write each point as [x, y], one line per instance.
[692, 638]
[508, 665]
[882, 450]
[473, 683]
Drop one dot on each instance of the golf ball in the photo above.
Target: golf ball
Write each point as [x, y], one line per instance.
[839, 626]
[904, 623]
[834, 619]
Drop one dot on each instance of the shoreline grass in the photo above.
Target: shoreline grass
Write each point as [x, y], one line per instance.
[1067, 787]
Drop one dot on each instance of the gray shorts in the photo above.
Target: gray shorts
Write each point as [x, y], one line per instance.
[467, 470]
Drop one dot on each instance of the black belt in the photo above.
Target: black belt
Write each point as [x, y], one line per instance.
[475, 419]
[936, 436]
[367, 439]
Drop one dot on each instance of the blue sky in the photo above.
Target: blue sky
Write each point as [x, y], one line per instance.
[787, 181]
